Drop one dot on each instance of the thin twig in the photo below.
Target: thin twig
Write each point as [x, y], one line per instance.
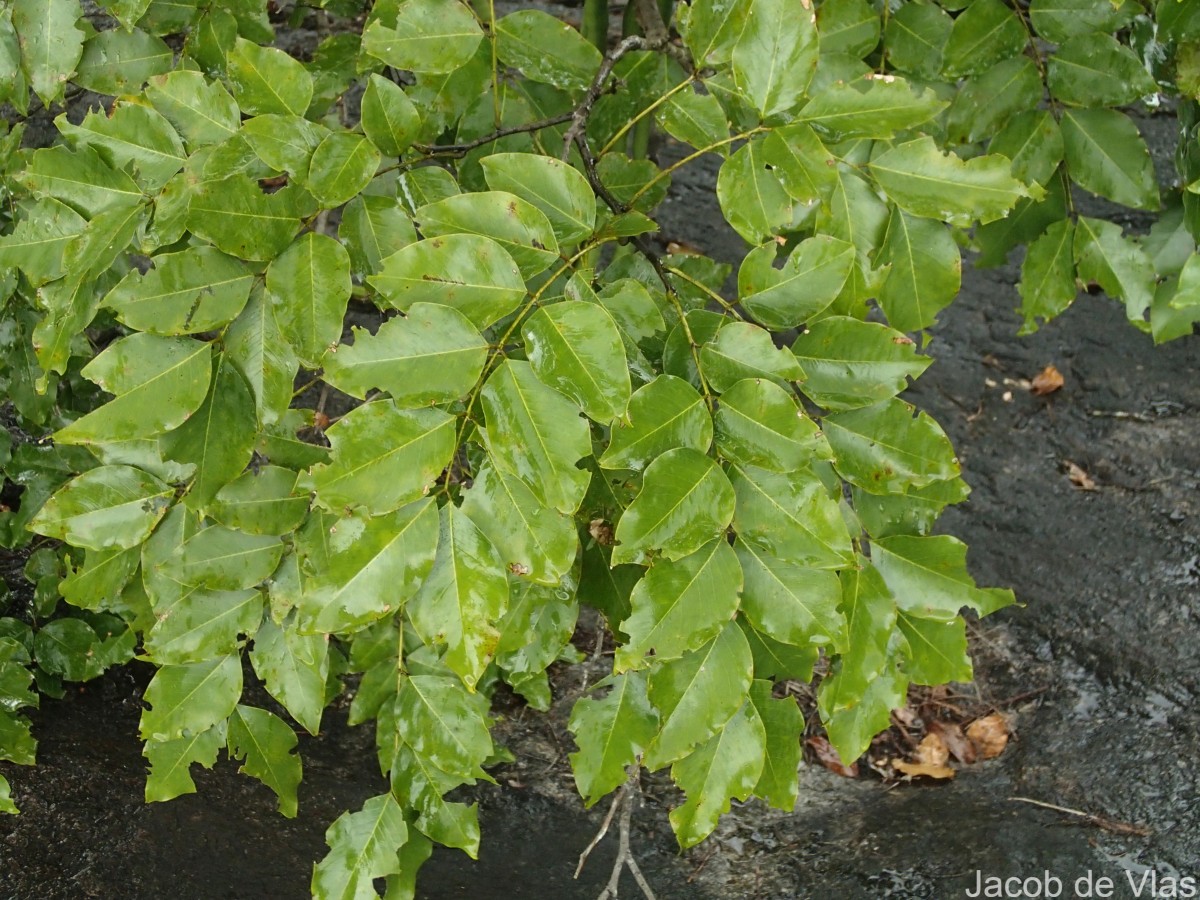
[460, 150]
[612, 810]
[1102, 822]
[583, 111]
[626, 798]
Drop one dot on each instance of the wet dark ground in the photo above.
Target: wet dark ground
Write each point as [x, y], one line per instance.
[1108, 638]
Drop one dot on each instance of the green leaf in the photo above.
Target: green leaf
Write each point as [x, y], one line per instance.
[82, 180]
[848, 26]
[308, 287]
[135, 138]
[383, 457]
[680, 605]
[685, 502]
[256, 345]
[852, 729]
[192, 624]
[985, 33]
[915, 37]
[710, 28]
[989, 99]
[533, 634]
[871, 107]
[611, 732]
[1107, 156]
[389, 118]
[802, 163]
[848, 363]
[225, 560]
[40, 239]
[742, 350]
[517, 226]
[921, 180]
[1048, 276]
[362, 570]
[885, 450]
[783, 726]
[341, 167]
[191, 699]
[695, 119]
[728, 765]
[758, 423]
[51, 43]
[790, 516]
[202, 111]
[463, 598]
[219, 437]
[267, 80]
[1095, 70]
[1108, 258]
[99, 580]
[429, 36]
[928, 577]
[912, 513]
[158, 382]
[575, 348]
[294, 668]
[363, 846]
[534, 541]
[445, 724]
[697, 694]
[284, 142]
[473, 274]
[775, 56]
[432, 355]
[372, 227]
[791, 603]
[753, 201]
[810, 280]
[73, 650]
[1061, 20]
[120, 62]
[663, 415]
[546, 50]
[171, 762]
[1024, 224]
[554, 187]
[870, 614]
[925, 274]
[196, 290]
[265, 743]
[937, 650]
[536, 434]
[236, 216]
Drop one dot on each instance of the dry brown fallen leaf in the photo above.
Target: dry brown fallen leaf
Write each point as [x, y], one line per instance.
[1080, 478]
[829, 758]
[954, 739]
[932, 751]
[989, 735]
[1046, 381]
[601, 532]
[922, 770]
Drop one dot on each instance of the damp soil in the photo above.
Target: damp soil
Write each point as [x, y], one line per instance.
[1105, 648]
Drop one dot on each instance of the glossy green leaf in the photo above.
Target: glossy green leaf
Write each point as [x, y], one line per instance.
[728, 765]
[357, 571]
[308, 287]
[516, 225]
[534, 541]
[363, 846]
[1061, 20]
[1095, 70]
[1107, 257]
[1034, 142]
[753, 201]
[985, 33]
[925, 274]
[694, 118]
[340, 168]
[267, 80]
[848, 26]
[848, 363]
[871, 107]
[883, 449]
[39, 241]
[870, 614]
[916, 36]
[685, 502]
[663, 415]
[928, 577]
[759, 423]
[852, 728]
[389, 118]
[202, 111]
[710, 28]
[789, 516]
[546, 50]
[238, 218]
[554, 187]
[99, 580]
[445, 724]
[51, 43]
[937, 650]
[534, 632]
[463, 598]
[284, 142]
[191, 699]
[697, 694]
[192, 624]
[195, 290]
[120, 62]
[912, 513]
[383, 457]
[575, 348]
[680, 605]
[1048, 276]
[1107, 156]
[264, 744]
[372, 227]
[611, 732]
[134, 137]
[471, 273]
[801, 162]
[294, 668]
[783, 727]
[432, 355]
[812, 277]
[987, 101]
[81, 179]
[742, 350]
[791, 603]
[158, 382]
[775, 56]
[921, 180]
[536, 434]
[429, 36]
[171, 762]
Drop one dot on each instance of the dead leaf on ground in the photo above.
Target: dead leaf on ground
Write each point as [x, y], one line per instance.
[932, 751]
[829, 758]
[989, 735]
[1046, 381]
[1080, 478]
[954, 739]
[922, 770]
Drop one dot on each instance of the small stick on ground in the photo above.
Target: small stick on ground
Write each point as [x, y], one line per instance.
[1112, 826]
[625, 799]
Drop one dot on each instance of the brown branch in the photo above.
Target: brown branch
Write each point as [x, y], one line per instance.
[1112, 826]
[626, 798]
[460, 150]
[596, 89]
